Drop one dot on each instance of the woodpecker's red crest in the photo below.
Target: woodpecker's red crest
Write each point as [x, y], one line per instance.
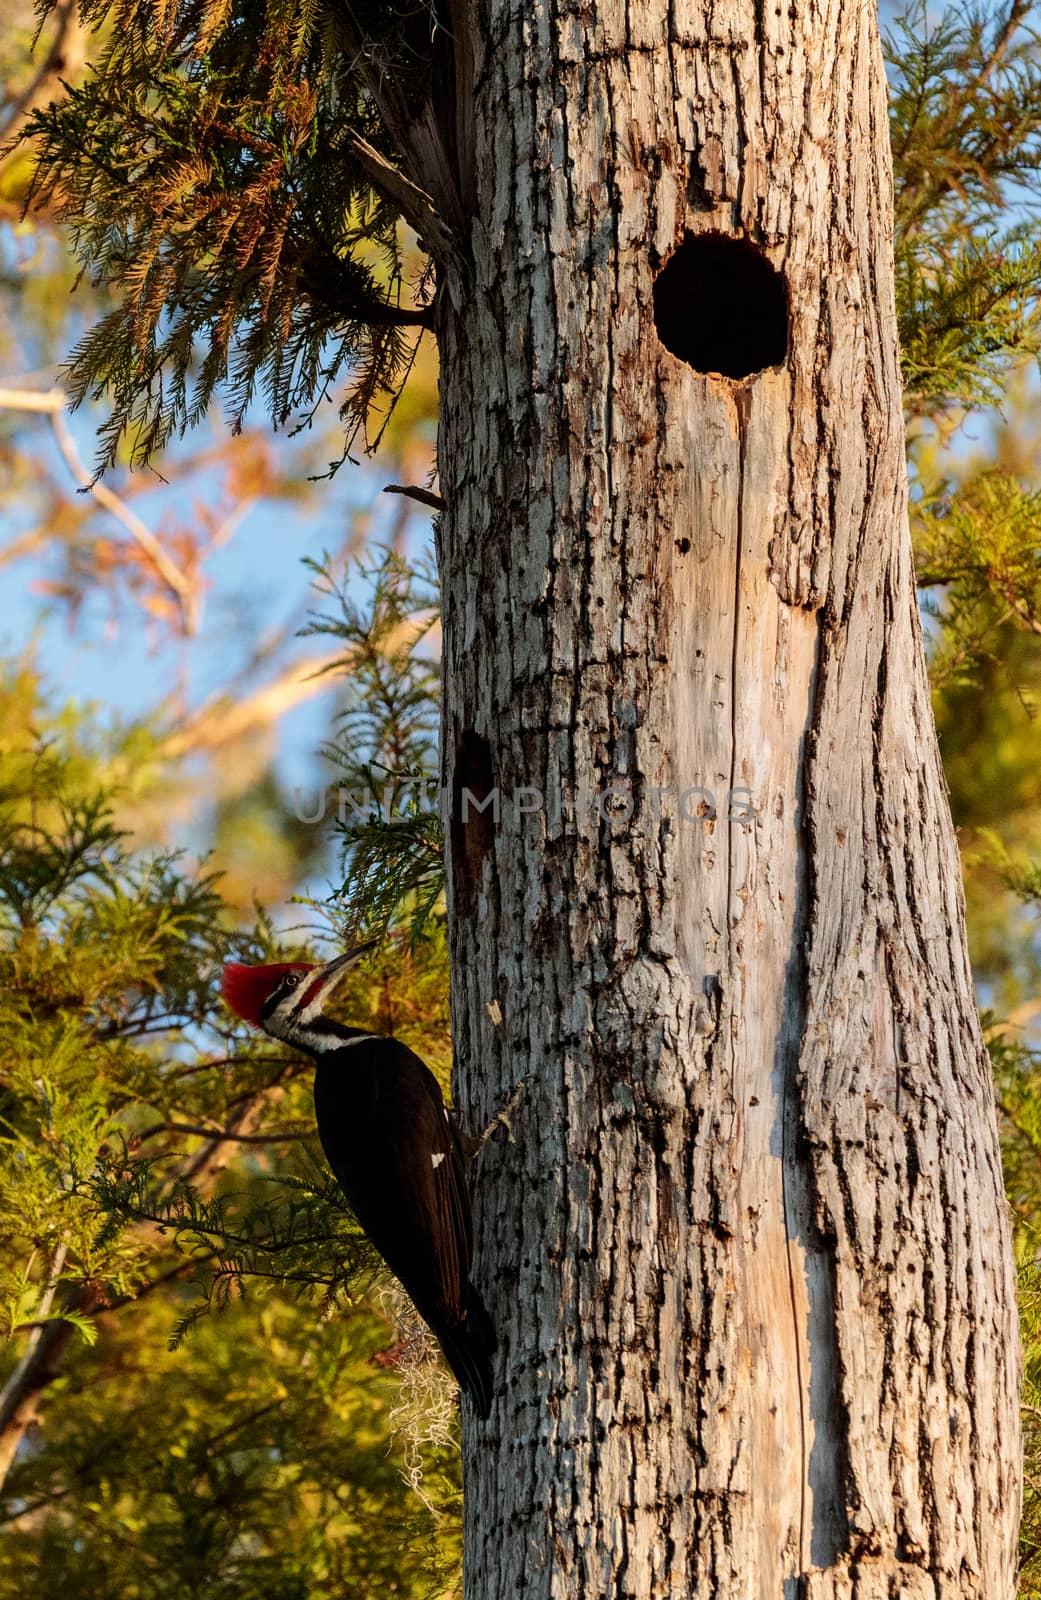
[245, 988]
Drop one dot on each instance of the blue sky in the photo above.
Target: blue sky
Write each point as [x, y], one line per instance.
[110, 657]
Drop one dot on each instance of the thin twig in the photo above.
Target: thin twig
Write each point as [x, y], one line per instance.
[25, 545]
[228, 526]
[231, 1061]
[1024, 613]
[179, 584]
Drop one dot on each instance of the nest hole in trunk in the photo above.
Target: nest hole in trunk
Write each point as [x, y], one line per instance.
[720, 306]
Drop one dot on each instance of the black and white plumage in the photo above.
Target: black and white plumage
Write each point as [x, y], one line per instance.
[389, 1139]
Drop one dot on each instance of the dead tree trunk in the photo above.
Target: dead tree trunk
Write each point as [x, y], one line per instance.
[749, 1255]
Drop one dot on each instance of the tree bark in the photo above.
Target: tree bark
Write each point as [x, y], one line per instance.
[749, 1256]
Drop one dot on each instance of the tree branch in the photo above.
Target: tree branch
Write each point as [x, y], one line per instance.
[203, 1132]
[219, 719]
[20, 1397]
[49, 400]
[65, 59]
[1017, 11]
[182, 588]
[145, 1289]
[212, 1156]
[425, 497]
[53, 403]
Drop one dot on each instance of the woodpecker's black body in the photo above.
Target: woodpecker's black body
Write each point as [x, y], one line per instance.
[388, 1138]
[398, 1157]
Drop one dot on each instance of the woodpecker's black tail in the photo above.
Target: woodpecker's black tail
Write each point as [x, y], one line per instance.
[469, 1346]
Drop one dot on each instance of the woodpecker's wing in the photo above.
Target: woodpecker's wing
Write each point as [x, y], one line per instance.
[388, 1138]
[398, 1157]
[454, 1224]
[461, 1321]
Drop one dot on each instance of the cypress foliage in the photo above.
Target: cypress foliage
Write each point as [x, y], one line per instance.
[159, 1164]
[208, 169]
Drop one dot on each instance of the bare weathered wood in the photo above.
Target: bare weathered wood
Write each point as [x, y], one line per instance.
[416, 207]
[749, 1255]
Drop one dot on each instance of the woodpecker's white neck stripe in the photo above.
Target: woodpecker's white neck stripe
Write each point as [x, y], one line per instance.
[330, 1045]
[326, 1044]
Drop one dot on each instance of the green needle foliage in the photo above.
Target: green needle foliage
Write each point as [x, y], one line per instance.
[159, 1164]
[385, 753]
[965, 124]
[977, 544]
[251, 1465]
[208, 170]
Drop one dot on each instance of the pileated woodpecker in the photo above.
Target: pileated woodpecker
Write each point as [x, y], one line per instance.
[388, 1137]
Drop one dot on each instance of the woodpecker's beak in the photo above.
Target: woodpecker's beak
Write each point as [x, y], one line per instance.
[325, 979]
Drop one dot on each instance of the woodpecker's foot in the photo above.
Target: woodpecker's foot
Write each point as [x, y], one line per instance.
[502, 1117]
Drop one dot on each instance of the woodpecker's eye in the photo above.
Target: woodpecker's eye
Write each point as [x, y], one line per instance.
[291, 980]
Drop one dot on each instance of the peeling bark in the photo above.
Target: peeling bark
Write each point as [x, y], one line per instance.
[749, 1256]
